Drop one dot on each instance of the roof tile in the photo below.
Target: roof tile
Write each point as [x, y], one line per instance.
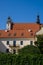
[20, 31]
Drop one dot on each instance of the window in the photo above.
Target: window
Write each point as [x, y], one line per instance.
[21, 42]
[14, 34]
[14, 51]
[9, 34]
[31, 42]
[29, 30]
[22, 34]
[31, 34]
[7, 42]
[0, 33]
[14, 43]
[7, 50]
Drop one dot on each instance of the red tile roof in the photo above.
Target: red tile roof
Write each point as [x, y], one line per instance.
[21, 30]
[26, 26]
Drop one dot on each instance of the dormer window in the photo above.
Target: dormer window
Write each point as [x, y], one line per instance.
[22, 34]
[29, 30]
[0, 33]
[9, 34]
[14, 34]
[31, 34]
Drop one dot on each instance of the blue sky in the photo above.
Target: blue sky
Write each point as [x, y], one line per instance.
[21, 11]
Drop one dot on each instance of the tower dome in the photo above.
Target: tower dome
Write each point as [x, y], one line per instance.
[38, 19]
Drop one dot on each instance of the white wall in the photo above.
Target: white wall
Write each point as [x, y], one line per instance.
[40, 32]
[26, 41]
[4, 46]
[8, 26]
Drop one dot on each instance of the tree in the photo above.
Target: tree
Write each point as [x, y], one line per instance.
[30, 49]
[39, 42]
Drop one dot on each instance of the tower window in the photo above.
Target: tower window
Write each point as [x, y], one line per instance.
[21, 42]
[7, 42]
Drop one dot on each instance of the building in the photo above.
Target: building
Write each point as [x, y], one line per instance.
[18, 35]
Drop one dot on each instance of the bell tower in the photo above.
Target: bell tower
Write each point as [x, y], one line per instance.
[38, 19]
[9, 22]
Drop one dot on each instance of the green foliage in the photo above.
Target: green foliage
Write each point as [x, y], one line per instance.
[29, 55]
[29, 50]
[39, 37]
[21, 59]
[39, 42]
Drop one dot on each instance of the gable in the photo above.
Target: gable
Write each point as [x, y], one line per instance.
[40, 32]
